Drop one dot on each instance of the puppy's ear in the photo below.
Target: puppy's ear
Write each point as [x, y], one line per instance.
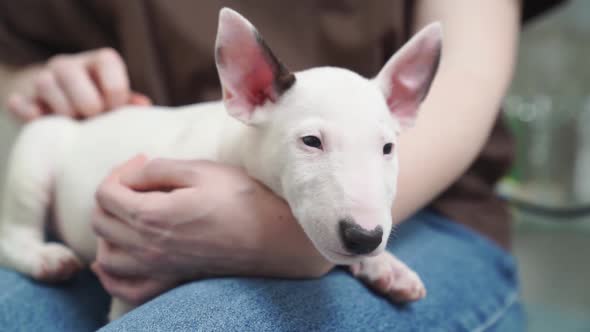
[406, 77]
[249, 72]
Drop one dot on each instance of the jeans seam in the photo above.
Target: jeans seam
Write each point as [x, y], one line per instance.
[511, 300]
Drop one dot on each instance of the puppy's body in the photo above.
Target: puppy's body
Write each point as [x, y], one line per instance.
[95, 147]
[324, 139]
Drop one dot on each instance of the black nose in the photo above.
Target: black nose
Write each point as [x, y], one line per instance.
[358, 240]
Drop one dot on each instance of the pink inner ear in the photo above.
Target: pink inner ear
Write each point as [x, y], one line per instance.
[246, 71]
[406, 78]
[250, 74]
[402, 101]
[409, 86]
[257, 83]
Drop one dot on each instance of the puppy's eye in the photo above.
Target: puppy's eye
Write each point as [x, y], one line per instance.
[312, 141]
[387, 148]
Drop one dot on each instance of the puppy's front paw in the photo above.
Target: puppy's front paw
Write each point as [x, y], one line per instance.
[389, 276]
[55, 262]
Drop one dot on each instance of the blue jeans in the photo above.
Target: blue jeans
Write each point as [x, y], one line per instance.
[472, 286]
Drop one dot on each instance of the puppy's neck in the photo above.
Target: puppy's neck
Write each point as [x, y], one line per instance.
[249, 148]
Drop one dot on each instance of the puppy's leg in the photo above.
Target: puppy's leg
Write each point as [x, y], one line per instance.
[118, 309]
[391, 277]
[31, 171]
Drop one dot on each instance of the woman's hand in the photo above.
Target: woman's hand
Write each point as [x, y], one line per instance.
[165, 221]
[78, 85]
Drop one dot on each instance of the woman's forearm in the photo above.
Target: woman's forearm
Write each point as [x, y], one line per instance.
[479, 48]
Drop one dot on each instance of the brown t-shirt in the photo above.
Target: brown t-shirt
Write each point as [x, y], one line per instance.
[168, 47]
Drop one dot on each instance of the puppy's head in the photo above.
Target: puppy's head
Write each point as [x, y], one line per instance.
[330, 135]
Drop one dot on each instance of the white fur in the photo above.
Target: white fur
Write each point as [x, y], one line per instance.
[63, 161]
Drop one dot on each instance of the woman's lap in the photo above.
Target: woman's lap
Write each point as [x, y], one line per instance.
[471, 284]
[77, 305]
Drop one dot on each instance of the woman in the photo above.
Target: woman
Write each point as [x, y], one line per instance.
[453, 231]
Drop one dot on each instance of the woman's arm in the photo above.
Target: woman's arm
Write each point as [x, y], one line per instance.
[479, 50]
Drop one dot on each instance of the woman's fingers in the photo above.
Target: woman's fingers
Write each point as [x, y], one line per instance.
[131, 290]
[77, 85]
[92, 82]
[144, 211]
[115, 231]
[139, 99]
[117, 261]
[163, 175]
[50, 93]
[110, 74]
[23, 108]
[116, 198]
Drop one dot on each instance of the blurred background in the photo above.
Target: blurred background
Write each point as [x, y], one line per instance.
[548, 109]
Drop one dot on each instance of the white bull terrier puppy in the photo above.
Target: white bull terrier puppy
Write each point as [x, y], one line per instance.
[324, 139]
